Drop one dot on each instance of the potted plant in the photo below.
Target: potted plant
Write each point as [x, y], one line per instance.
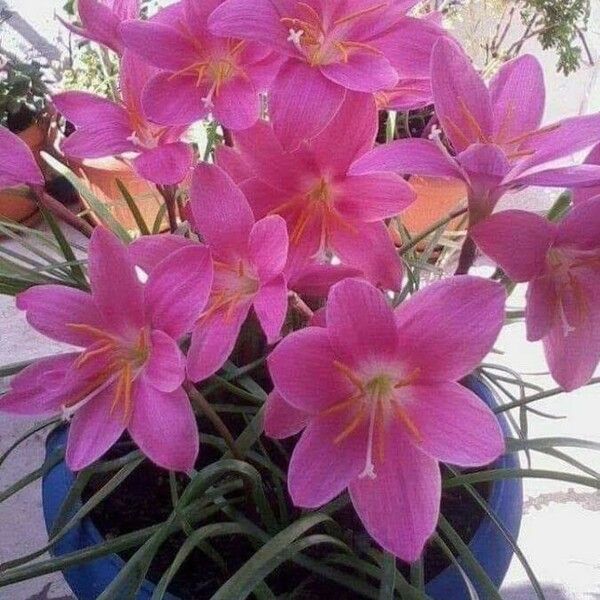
[278, 399]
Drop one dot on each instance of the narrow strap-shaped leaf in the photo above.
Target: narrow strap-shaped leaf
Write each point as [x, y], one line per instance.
[133, 208]
[473, 595]
[388, 577]
[25, 436]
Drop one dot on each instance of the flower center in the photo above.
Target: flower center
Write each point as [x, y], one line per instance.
[318, 205]
[123, 363]
[234, 284]
[215, 70]
[322, 43]
[377, 399]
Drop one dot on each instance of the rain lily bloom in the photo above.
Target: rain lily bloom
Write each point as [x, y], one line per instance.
[17, 164]
[495, 133]
[130, 373]
[378, 388]
[561, 262]
[100, 20]
[327, 211]
[106, 128]
[201, 74]
[249, 257]
[329, 48]
[582, 194]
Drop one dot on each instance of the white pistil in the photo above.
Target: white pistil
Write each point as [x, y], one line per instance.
[296, 38]
[369, 470]
[69, 411]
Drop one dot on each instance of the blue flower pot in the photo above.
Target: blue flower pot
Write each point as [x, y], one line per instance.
[488, 544]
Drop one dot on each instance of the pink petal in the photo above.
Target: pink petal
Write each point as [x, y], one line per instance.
[574, 177]
[116, 289]
[149, 250]
[561, 139]
[583, 194]
[173, 99]
[268, 246]
[517, 241]
[178, 289]
[17, 164]
[282, 420]
[360, 323]
[364, 71]
[96, 426]
[126, 9]
[400, 507]
[213, 341]
[51, 309]
[36, 389]
[165, 369]
[164, 427]
[319, 468]
[257, 20]
[518, 97]
[221, 211]
[302, 370]
[409, 94]
[581, 226]
[409, 46]
[237, 104]
[573, 357]
[161, 45]
[165, 165]
[101, 141]
[462, 101]
[231, 161]
[372, 198]
[369, 248]
[358, 112]
[88, 110]
[411, 156]
[447, 328]
[455, 426]
[541, 309]
[100, 24]
[302, 103]
[270, 305]
[315, 280]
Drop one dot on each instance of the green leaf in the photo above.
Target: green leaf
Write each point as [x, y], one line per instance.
[158, 221]
[388, 576]
[473, 595]
[25, 436]
[514, 445]
[65, 247]
[471, 563]
[96, 205]
[275, 552]
[133, 208]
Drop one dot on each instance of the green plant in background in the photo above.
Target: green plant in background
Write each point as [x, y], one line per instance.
[558, 25]
[23, 92]
[91, 71]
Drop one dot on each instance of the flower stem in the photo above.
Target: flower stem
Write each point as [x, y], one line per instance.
[467, 256]
[298, 304]
[169, 195]
[205, 407]
[417, 240]
[62, 212]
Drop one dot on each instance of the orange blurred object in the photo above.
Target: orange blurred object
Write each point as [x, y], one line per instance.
[15, 205]
[436, 198]
[101, 176]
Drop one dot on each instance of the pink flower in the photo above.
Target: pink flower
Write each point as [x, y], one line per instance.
[249, 258]
[17, 164]
[327, 211]
[130, 373]
[106, 128]
[100, 20]
[329, 48]
[495, 133]
[200, 73]
[382, 406]
[562, 265]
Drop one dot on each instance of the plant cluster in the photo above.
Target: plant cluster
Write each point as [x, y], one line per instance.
[289, 301]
